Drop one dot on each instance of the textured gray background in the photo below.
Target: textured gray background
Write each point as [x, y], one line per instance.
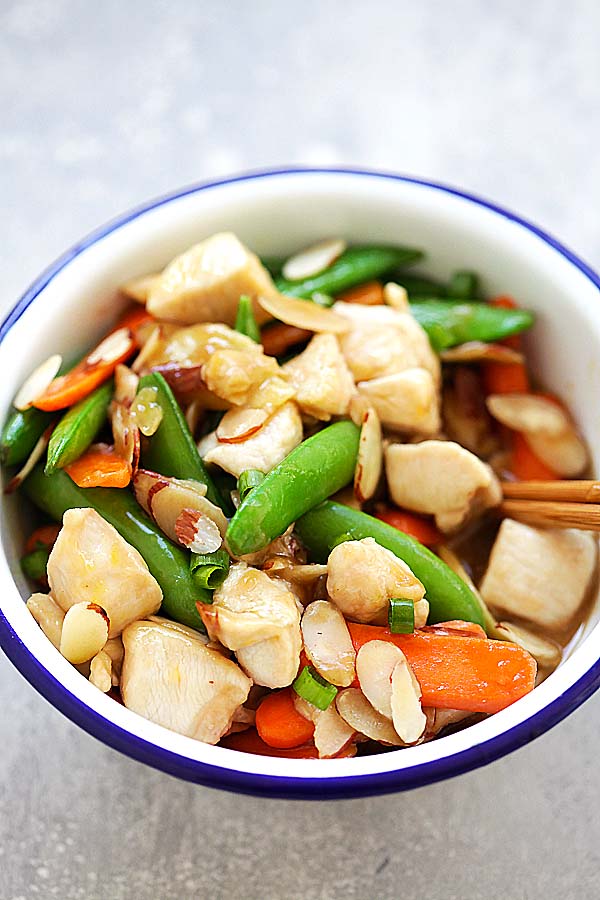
[103, 105]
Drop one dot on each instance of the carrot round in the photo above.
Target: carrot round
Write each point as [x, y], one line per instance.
[368, 294]
[279, 723]
[506, 378]
[44, 536]
[100, 467]
[250, 742]
[525, 465]
[416, 526]
[459, 672]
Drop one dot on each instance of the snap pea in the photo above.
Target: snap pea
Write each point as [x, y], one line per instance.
[55, 494]
[317, 468]
[448, 322]
[245, 322]
[22, 430]
[449, 597]
[78, 428]
[463, 285]
[34, 564]
[355, 265]
[418, 286]
[171, 449]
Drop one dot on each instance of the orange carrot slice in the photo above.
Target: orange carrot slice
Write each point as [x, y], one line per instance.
[44, 536]
[279, 723]
[525, 465]
[416, 526]
[250, 742]
[368, 294]
[100, 467]
[277, 339]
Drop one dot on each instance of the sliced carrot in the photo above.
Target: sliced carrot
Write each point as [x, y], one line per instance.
[44, 536]
[134, 316]
[279, 723]
[459, 672]
[368, 294]
[279, 338]
[509, 378]
[250, 742]
[525, 465]
[100, 467]
[416, 526]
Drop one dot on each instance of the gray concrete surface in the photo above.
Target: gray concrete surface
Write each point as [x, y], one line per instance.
[105, 104]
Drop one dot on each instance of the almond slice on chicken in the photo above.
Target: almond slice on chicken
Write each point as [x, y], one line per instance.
[327, 643]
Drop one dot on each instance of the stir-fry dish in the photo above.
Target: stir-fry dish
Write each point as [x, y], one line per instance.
[272, 503]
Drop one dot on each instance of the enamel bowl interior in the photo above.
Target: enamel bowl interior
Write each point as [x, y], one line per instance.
[70, 306]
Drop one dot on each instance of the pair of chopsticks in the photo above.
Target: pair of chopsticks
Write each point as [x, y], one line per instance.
[559, 504]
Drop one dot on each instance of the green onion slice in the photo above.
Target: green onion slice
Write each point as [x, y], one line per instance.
[311, 687]
[210, 569]
[245, 322]
[401, 616]
[250, 478]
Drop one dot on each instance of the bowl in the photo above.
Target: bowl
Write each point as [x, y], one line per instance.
[275, 212]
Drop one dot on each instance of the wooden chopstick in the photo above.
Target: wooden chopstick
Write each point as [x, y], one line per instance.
[567, 491]
[557, 513]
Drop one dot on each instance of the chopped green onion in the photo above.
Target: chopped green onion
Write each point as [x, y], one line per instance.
[34, 564]
[463, 285]
[311, 687]
[250, 478]
[401, 616]
[209, 570]
[245, 322]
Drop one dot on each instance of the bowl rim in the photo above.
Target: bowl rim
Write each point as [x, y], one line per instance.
[344, 786]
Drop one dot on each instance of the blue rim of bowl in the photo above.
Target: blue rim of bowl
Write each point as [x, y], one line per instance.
[263, 784]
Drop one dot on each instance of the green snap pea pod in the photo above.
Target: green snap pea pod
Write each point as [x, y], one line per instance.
[56, 493]
[171, 449]
[78, 428]
[463, 285]
[355, 265]
[245, 322]
[34, 564]
[273, 264]
[317, 468]
[418, 286]
[20, 434]
[448, 595]
[448, 322]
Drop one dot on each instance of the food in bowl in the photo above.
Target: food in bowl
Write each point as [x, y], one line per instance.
[275, 484]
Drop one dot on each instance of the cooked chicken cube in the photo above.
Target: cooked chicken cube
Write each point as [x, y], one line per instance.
[91, 562]
[384, 341]
[321, 378]
[362, 577]
[263, 450]
[240, 377]
[204, 283]
[440, 478]
[406, 401]
[540, 575]
[172, 678]
[258, 618]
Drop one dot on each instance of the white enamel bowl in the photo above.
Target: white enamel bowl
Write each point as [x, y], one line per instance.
[68, 307]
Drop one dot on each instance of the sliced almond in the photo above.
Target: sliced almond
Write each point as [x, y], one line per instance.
[238, 425]
[48, 614]
[478, 351]
[126, 384]
[138, 289]
[565, 453]
[306, 709]
[197, 532]
[313, 259]
[146, 411]
[126, 435]
[305, 574]
[165, 498]
[32, 461]
[359, 407]
[369, 462]
[438, 719]
[332, 734]
[304, 314]
[113, 347]
[185, 381]
[396, 296]
[101, 672]
[355, 709]
[38, 382]
[327, 642]
[528, 413]
[375, 662]
[407, 715]
[421, 613]
[150, 348]
[84, 632]
[545, 652]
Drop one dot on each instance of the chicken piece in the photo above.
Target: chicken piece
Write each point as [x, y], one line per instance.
[362, 577]
[321, 378]
[540, 575]
[258, 618]
[246, 379]
[91, 562]
[172, 678]
[406, 401]
[263, 450]
[204, 283]
[195, 344]
[441, 478]
[384, 341]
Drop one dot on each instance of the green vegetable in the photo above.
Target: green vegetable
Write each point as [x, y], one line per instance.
[449, 597]
[169, 564]
[418, 286]
[449, 323]
[248, 480]
[354, 266]
[34, 564]
[317, 468]
[245, 322]
[463, 285]
[314, 689]
[401, 616]
[273, 264]
[210, 569]
[21, 432]
[78, 428]
[321, 299]
[171, 449]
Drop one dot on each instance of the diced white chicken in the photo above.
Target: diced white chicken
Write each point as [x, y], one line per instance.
[258, 618]
[321, 378]
[175, 680]
[204, 284]
[540, 575]
[263, 450]
[384, 341]
[91, 562]
[405, 401]
[363, 577]
[49, 616]
[440, 478]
